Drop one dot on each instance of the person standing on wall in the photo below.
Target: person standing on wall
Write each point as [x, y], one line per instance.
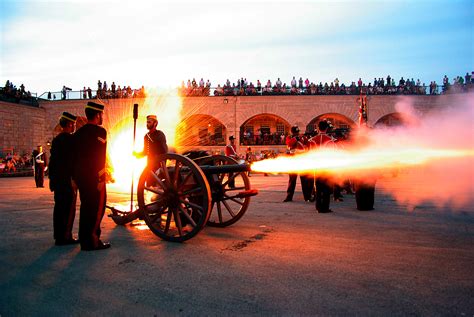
[60, 181]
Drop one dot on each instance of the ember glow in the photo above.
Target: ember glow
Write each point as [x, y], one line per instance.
[167, 107]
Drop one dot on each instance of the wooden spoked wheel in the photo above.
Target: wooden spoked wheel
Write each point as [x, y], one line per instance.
[229, 203]
[175, 199]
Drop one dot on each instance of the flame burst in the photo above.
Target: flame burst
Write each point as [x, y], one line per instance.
[347, 162]
[166, 106]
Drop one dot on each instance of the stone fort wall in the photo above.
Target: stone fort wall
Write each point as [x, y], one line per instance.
[23, 127]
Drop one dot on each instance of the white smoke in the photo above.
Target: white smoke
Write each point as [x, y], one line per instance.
[443, 182]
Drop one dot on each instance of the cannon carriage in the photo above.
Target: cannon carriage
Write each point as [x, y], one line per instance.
[187, 192]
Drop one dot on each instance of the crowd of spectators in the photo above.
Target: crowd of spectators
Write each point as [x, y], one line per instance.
[13, 163]
[103, 92]
[379, 86]
[12, 93]
[262, 138]
[193, 88]
[114, 91]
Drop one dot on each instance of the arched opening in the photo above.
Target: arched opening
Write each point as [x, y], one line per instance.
[390, 120]
[264, 129]
[200, 129]
[337, 120]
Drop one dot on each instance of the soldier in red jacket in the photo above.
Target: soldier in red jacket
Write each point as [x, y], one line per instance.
[323, 184]
[295, 144]
[231, 151]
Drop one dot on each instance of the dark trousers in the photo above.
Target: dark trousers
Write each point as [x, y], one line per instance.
[39, 175]
[337, 191]
[306, 186]
[64, 212]
[323, 193]
[365, 194]
[232, 180]
[93, 199]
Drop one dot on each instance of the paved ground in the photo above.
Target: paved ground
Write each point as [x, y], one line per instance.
[280, 259]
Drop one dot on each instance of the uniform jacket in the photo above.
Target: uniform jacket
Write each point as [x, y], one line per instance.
[154, 145]
[60, 165]
[294, 144]
[40, 160]
[90, 147]
[321, 140]
[230, 151]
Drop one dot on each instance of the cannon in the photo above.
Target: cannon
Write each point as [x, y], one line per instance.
[182, 195]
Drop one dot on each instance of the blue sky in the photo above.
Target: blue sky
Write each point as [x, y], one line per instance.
[48, 44]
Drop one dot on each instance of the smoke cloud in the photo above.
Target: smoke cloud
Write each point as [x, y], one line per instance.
[427, 159]
[443, 181]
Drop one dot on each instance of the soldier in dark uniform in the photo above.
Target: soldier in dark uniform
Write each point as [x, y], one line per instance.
[365, 192]
[89, 173]
[60, 181]
[40, 161]
[364, 182]
[154, 144]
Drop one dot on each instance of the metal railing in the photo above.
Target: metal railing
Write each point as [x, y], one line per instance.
[273, 91]
[323, 90]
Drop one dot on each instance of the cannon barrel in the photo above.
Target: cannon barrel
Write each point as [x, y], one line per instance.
[220, 169]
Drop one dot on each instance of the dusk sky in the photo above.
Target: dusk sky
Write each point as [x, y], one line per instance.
[48, 44]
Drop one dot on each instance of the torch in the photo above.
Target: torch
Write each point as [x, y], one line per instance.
[135, 117]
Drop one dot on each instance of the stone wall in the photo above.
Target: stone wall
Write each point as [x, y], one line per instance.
[24, 127]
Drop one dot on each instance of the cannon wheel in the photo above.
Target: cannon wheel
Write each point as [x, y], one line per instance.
[227, 205]
[175, 199]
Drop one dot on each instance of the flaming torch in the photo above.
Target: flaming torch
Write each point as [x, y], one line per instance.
[135, 117]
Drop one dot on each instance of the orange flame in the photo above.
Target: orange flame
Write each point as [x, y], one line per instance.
[341, 161]
[167, 107]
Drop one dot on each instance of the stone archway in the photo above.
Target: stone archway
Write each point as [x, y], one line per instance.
[264, 129]
[338, 121]
[390, 120]
[200, 130]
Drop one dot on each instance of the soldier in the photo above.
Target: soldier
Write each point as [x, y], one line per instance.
[323, 184]
[248, 158]
[60, 181]
[40, 161]
[89, 173]
[230, 150]
[365, 192]
[295, 144]
[154, 143]
[364, 183]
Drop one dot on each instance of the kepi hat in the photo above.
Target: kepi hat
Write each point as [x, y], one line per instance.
[95, 106]
[152, 116]
[68, 116]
